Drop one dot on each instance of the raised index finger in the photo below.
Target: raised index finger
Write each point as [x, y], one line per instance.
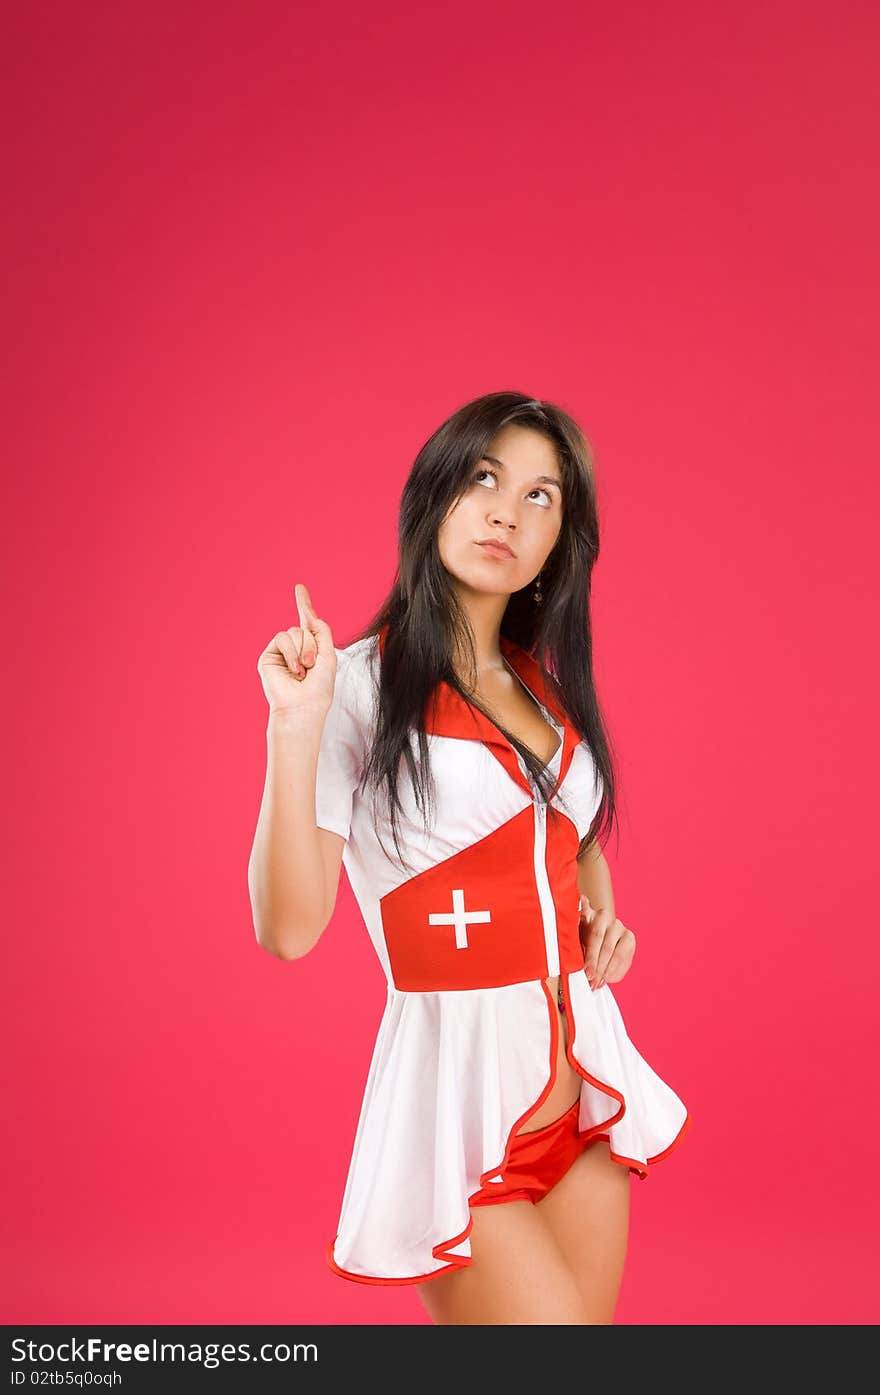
[317, 638]
[307, 617]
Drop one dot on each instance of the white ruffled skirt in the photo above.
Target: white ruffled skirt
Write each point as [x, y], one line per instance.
[452, 1077]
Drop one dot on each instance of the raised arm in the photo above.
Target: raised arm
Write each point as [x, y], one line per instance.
[293, 871]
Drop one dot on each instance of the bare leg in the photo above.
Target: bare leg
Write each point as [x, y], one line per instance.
[519, 1274]
[587, 1213]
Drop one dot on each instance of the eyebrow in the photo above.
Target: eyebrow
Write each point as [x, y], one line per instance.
[542, 479]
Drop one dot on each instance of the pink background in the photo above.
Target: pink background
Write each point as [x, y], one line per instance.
[258, 254]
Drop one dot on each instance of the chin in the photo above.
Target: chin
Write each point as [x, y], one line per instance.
[481, 587]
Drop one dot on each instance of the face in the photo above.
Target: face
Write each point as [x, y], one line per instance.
[514, 497]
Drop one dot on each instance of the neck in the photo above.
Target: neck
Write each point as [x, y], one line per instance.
[484, 615]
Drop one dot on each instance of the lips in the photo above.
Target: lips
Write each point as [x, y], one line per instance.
[495, 549]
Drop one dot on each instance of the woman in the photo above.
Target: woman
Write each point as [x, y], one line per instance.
[453, 757]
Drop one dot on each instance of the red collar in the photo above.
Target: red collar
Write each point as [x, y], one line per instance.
[450, 714]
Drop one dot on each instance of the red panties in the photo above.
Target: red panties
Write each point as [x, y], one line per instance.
[537, 1161]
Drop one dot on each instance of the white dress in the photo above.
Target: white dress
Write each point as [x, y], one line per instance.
[466, 935]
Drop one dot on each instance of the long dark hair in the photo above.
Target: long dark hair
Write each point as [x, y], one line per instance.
[424, 617]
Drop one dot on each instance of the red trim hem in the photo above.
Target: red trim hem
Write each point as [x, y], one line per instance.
[459, 1262]
[641, 1169]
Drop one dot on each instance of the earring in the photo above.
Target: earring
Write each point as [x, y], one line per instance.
[536, 595]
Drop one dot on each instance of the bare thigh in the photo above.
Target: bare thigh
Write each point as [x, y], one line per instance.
[519, 1273]
[587, 1214]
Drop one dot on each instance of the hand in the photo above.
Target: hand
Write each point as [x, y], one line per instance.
[609, 946]
[298, 667]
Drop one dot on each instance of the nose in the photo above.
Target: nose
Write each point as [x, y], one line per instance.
[500, 511]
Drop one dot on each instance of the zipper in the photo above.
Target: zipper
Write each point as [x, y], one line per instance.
[545, 896]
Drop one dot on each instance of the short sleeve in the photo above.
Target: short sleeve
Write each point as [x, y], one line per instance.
[342, 752]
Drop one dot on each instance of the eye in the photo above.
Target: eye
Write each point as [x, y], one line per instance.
[537, 490]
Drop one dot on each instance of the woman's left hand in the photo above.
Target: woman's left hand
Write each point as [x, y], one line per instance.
[609, 946]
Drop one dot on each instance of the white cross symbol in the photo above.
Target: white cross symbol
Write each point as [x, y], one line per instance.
[460, 918]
